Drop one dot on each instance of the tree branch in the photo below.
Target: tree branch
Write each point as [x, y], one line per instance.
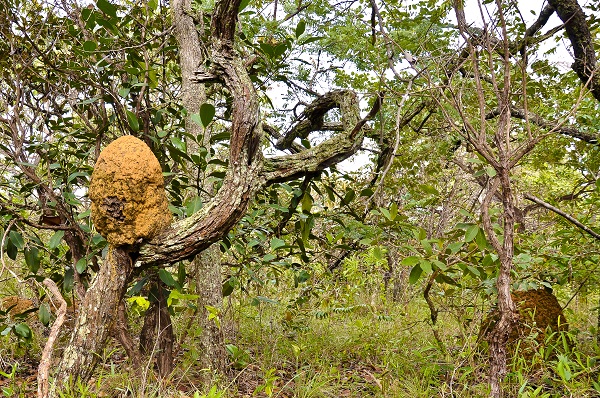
[572, 15]
[561, 213]
[541, 122]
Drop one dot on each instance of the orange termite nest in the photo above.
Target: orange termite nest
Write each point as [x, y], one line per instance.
[127, 193]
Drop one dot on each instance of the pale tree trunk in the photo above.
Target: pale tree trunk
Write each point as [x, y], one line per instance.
[98, 314]
[209, 288]
[207, 265]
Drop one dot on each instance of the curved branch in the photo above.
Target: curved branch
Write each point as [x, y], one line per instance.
[578, 31]
[329, 152]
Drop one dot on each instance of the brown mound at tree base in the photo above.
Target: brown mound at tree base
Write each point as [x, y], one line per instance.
[539, 314]
[127, 192]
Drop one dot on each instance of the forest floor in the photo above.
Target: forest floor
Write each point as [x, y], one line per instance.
[363, 350]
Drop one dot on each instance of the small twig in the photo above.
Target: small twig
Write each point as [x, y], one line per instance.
[47, 353]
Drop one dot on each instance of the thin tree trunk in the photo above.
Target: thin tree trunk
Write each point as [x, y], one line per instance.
[98, 314]
[209, 288]
[156, 337]
[498, 337]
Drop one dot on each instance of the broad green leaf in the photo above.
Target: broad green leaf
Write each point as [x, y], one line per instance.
[32, 259]
[378, 253]
[44, 314]
[23, 331]
[471, 232]
[90, 46]
[167, 278]
[207, 113]
[276, 243]
[55, 239]
[243, 4]
[300, 28]
[193, 205]
[425, 266]
[481, 240]
[132, 120]
[227, 288]
[455, 247]
[415, 273]
[410, 261]
[393, 211]
[81, 265]
[17, 239]
[107, 8]
[196, 119]
[68, 280]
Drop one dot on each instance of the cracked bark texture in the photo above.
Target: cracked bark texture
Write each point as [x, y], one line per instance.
[97, 315]
[206, 267]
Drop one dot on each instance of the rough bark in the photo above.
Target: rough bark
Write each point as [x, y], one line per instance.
[98, 313]
[211, 341]
[207, 265]
[578, 31]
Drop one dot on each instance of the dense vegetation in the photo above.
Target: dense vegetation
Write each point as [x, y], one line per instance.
[356, 187]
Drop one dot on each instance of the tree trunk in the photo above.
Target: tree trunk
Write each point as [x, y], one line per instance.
[97, 315]
[209, 287]
[498, 337]
[156, 337]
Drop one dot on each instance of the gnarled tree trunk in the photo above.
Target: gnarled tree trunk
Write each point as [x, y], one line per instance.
[97, 315]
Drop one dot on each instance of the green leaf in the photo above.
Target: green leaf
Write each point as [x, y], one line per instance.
[179, 144]
[426, 266]
[227, 288]
[68, 280]
[132, 120]
[17, 239]
[481, 240]
[22, 330]
[410, 261]
[207, 113]
[307, 202]
[32, 259]
[243, 4]
[167, 278]
[455, 247]
[196, 119]
[107, 8]
[44, 314]
[90, 46]
[378, 253]
[55, 239]
[393, 211]
[490, 171]
[471, 232]
[300, 28]
[81, 265]
[193, 205]
[415, 273]
[276, 243]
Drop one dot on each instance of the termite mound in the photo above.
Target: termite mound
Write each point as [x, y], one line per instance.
[127, 191]
[539, 313]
